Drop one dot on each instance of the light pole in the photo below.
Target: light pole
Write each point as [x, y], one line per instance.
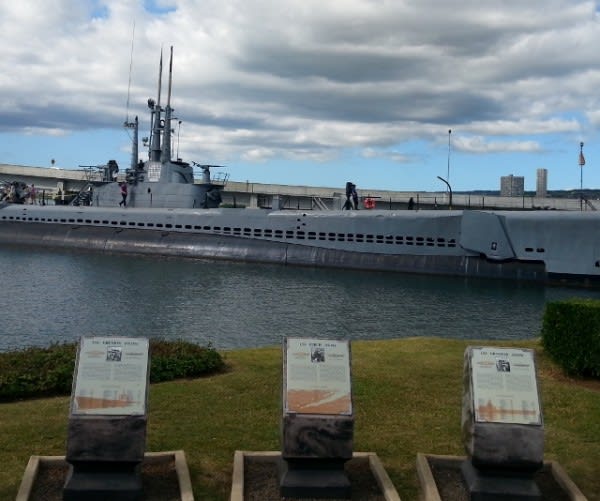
[448, 174]
[581, 164]
[178, 131]
[449, 190]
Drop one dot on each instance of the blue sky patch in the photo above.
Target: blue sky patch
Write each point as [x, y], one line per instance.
[99, 10]
[158, 6]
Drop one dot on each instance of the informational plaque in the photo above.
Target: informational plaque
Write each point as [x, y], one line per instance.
[505, 386]
[154, 169]
[318, 377]
[111, 376]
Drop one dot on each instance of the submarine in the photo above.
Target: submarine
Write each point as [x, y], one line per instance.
[167, 212]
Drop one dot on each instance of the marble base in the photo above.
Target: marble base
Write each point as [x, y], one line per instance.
[313, 478]
[99, 481]
[181, 470]
[431, 492]
[387, 489]
[497, 485]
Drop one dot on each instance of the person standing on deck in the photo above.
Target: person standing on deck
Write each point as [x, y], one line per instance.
[124, 195]
[354, 197]
[348, 204]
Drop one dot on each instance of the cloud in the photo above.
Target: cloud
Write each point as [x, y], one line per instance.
[479, 144]
[594, 117]
[258, 79]
[394, 156]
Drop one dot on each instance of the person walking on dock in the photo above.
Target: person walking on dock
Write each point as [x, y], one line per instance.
[124, 195]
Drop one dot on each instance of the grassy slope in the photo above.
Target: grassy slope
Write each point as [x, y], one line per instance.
[407, 399]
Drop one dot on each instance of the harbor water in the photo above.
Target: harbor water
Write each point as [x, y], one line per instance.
[53, 296]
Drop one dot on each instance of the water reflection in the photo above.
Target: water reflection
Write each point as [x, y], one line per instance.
[60, 296]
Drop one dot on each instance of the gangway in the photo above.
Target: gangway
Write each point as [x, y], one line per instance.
[319, 204]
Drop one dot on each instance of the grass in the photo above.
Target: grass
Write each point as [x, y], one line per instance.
[407, 399]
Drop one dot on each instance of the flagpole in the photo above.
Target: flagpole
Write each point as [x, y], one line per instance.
[448, 174]
[581, 164]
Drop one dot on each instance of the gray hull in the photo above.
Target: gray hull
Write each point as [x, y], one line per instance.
[171, 244]
[527, 246]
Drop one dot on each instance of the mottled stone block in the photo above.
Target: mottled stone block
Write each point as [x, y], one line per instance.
[316, 436]
[103, 438]
[504, 446]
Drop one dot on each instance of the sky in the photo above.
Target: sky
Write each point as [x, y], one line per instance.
[308, 92]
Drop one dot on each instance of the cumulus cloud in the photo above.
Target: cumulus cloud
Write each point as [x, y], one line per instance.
[479, 144]
[261, 79]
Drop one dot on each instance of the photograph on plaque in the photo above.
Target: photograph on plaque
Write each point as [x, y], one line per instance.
[505, 386]
[318, 377]
[111, 376]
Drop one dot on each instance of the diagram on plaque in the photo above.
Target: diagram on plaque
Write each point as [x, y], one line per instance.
[318, 376]
[505, 386]
[111, 376]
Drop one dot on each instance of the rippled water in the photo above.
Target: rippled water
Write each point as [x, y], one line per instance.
[54, 296]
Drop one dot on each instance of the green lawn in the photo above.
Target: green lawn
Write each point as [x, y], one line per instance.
[407, 399]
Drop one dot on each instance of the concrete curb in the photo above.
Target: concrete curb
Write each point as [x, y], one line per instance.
[181, 468]
[237, 483]
[429, 490]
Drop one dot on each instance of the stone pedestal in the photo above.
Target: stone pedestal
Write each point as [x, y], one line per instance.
[502, 424]
[106, 436]
[317, 425]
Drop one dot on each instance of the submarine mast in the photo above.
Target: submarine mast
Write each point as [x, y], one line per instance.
[166, 146]
[155, 149]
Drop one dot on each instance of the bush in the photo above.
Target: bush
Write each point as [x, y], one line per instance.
[179, 359]
[37, 371]
[571, 335]
[45, 372]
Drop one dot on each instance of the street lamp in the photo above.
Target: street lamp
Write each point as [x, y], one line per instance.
[449, 190]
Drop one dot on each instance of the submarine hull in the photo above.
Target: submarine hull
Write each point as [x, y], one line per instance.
[219, 247]
[558, 247]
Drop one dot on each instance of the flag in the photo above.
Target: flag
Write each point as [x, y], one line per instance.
[581, 159]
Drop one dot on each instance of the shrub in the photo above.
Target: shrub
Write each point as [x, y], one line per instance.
[571, 335]
[37, 371]
[181, 359]
[45, 372]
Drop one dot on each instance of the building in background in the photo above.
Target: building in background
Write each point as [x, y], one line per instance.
[512, 186]
[541, 186]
